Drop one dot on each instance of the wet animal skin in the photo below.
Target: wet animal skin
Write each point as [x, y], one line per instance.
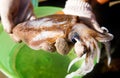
[61, 33]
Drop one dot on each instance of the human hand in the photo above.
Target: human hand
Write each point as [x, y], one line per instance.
[13, 12]
[84, 10]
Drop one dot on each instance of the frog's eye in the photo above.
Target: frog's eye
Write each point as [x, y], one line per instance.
[74, 37]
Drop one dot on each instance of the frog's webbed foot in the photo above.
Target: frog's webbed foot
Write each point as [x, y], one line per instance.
[62, 46]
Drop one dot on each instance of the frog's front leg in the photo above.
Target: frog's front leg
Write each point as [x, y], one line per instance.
[62, 46]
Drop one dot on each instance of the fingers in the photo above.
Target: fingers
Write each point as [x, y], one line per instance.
[7, 21]
[11, 16]
[78, 7]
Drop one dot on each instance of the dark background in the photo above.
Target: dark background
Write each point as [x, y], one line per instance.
[57, 3]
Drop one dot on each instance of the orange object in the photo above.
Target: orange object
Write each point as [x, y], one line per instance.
[59, 12]
[102, 1]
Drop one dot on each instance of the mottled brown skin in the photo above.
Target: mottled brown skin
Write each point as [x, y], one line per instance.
[62, 46]
[25, 31]
[61, 33]
[64, 26]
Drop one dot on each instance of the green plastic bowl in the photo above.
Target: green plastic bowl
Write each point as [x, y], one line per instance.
[19, 61]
